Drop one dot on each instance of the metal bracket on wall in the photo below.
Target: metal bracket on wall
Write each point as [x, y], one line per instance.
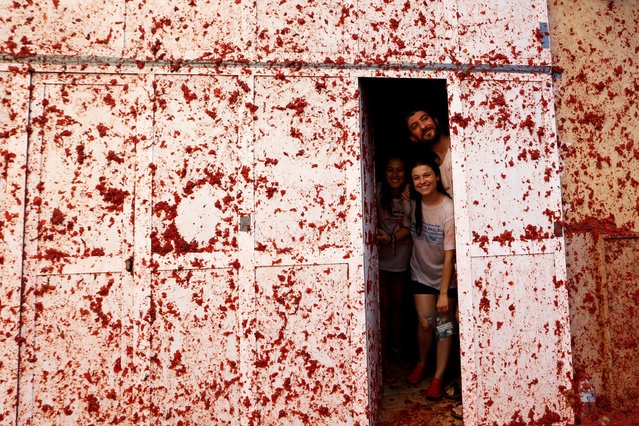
[545, 35]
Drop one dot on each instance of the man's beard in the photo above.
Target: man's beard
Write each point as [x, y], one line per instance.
[434, 138]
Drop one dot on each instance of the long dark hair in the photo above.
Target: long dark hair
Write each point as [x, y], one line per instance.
[430, 162]
[386, 197]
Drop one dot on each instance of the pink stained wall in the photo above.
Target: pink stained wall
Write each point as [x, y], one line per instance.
[152, 40]
[595, 47]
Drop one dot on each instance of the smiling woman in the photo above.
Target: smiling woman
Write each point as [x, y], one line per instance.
[394, 248]
[432, 226]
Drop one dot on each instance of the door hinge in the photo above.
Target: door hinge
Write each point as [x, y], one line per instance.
[545, 35]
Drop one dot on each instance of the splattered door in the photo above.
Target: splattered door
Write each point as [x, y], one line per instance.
[14, 93]
[132, 250]
[513, 300]
[199, 199]
[82, 297]
[141, 266]
[303, 235]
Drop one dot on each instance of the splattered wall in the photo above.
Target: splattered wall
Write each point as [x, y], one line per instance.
[187, 204]
[595, 50]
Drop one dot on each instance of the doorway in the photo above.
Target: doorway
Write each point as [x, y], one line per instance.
[385, 103]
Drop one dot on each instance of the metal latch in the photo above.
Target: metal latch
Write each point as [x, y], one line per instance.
[128, 264]
[245, 223]
[558, 229]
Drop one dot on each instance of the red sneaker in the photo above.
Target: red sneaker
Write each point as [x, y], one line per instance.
[417, 374]
[434, 391]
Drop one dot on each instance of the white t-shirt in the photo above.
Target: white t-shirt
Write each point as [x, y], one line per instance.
[393, 259]
[446, 170]
[438, 235]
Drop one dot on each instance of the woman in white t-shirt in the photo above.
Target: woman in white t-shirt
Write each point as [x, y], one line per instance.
[432, 227]
[394, 248]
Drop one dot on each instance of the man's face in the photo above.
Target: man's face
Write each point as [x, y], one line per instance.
[423, 128]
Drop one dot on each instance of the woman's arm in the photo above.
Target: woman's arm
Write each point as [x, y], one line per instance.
[447, 276]
[383, 237]
[391, 238]
[402, 233]
[406, 193]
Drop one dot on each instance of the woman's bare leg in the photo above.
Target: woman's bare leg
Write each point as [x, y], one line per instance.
[424, 304]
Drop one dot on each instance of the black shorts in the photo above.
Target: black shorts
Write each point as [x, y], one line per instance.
[418, 288]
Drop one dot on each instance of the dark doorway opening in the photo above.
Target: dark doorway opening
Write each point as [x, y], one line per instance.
[385, 103]
[388, 100]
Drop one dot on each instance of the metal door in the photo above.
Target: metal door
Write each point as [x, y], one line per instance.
[140, 274]
[199, 196]
[81, 299]
[303, 238]
[13, 111]
[510, 260]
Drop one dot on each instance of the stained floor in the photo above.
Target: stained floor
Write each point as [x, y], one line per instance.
[405, 404]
